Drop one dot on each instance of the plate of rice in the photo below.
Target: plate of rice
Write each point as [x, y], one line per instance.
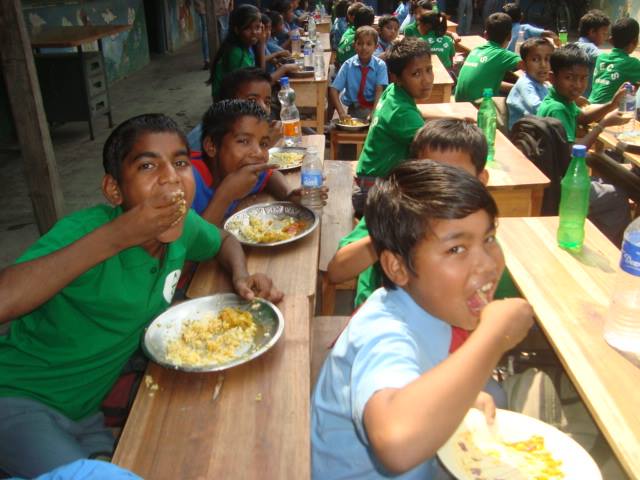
[213, 333]
[286, 158]
[271, 224]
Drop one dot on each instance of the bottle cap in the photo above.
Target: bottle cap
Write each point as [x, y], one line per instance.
[284, 81]
[487, 92]
[579, 151]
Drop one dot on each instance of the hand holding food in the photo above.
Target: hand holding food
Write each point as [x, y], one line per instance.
[509, 320]
[259, 285]
[239, 183]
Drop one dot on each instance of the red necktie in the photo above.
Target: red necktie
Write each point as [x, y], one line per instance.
[363, 82]
[458, 337]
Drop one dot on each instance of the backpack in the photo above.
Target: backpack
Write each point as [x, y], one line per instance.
[543, 140]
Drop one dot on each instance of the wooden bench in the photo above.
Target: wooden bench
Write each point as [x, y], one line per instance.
[340, 137]
[324, 331]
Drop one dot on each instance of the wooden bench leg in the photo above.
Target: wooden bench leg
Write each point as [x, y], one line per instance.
[333, 151]
[328, 295]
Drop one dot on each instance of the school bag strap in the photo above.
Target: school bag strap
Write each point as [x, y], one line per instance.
[543, 140]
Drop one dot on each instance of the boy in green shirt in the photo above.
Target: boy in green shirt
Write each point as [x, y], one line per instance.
[396, 117]
[608, 205]
[616, 67]
[363, 16]
[486, 65]
[82, 295]
[431, 26]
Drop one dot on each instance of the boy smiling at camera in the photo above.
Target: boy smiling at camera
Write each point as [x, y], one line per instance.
[82, 295]
[389, 394]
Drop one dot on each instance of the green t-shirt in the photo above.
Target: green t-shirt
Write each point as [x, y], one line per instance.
[395, 121]
[442, 46]
[612, 70]
[68, 352]
[369, 279]
[235, 59]
[484, 68]
[556, 106]
[346, 47]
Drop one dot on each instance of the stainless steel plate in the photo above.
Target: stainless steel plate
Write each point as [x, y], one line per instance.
[168, 326]
[277, 213]
[353, 128]
[277, 156]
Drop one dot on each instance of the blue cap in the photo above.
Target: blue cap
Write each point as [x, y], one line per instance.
[284, 81]
[579, 151]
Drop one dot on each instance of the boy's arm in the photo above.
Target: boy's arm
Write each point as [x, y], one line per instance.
[26, 286]
[379, 90]
[553, 36]
[232, 258]
[334, 96]
[283, 70]
[596, 112]
[351, 260]
[406, 426]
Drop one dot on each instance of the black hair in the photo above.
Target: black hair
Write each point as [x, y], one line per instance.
[385, 19]
[568, 56]
[265, 19]
[281, 6]
[452, 134]
[402, 51]
[435, 22]
[124, 137]
[241, 17]
[592, 20]
[364, 17]
[624, 32]
[426, 4]
[222, 115]
[529, 44]
[514, 11]
[498, 27]
[366, 31]
[340, 8]
[276, 19]
[402, 207]
[354, 7]
[232, 82]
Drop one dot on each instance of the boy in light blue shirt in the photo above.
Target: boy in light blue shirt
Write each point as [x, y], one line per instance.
[361, 79]
[402, 11]
[530, 31]
[594, 32]
[388, 25]
[390, 394]
[527, 94]
[340, 24]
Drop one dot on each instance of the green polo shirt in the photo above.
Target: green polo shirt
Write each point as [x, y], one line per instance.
[556, 106]
[442, 46]
[68, 352]
[394, 123]
[235, 59]
[346, 47]
[484, 68]
[612, 70]
[411, 30]
[369, 279]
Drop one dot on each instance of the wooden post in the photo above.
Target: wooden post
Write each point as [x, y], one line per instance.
[28, 113]
[212, 29]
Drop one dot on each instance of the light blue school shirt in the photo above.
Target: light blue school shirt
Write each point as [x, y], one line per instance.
[524, 98]
[402, 11]
[389, 342]
[408, 20]
[381, 48]
[349, 76]
[592, 51]
[340, 26]
[270, 48]
[529, 32]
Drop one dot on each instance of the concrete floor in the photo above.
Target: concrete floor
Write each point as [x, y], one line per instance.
[170, 84]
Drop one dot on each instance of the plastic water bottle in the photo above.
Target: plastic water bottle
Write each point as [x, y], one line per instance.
[289, 115]
[318, 63]
[519, 41]
[622, 324]
[563, 33]
[627, 107]
[308, 55]
[311, 29]
[574, 201]
[311, 180]
[487, 121]
[295, 43]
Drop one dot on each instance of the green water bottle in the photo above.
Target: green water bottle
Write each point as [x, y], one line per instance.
[574, 201]
[487, 121]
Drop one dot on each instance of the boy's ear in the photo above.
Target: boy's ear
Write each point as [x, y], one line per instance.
[111, 190]
[209, 147]
[484, 177]
[394, 267]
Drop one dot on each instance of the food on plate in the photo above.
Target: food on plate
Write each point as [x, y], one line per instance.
[284, 159]
[272, 230]
[213, 339]
[353, 122]
[486, 457]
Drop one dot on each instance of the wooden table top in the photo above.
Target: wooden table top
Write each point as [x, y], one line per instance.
[324, 40]
[253, 419]
[469, 42]
[311, 78]
[609, 140]
[58, 37]
[292, 267]
[510, 169]
[570, 294]
[440, 74]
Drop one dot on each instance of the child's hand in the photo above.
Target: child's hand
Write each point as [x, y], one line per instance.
[508, 319]
[344, 116]
[613, 118]
[296, 194]
[456, 37]
[484, 402]
[290, 67]
[239, 183]
[259, 285]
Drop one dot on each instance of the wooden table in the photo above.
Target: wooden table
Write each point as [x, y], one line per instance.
[323, 26]
[452, 26]
[469, 42]
[323, 40]
[64, 37]
[515, 183]
[608, 139]
[442, 83]
[313, 93]
[570, 294]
